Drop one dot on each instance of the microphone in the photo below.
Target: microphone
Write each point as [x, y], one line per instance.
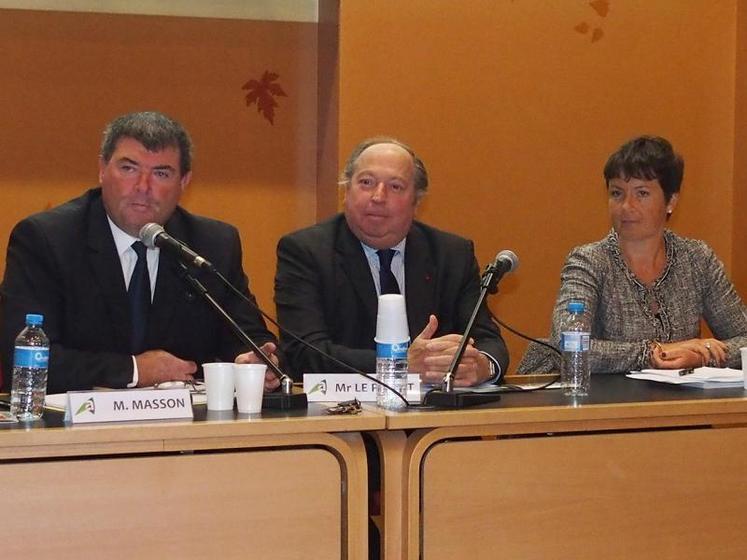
[505, 261]
[153, 235]
[286, 398]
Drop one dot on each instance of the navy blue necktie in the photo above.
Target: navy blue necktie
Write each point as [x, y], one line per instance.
[386, 279]
[139, 295]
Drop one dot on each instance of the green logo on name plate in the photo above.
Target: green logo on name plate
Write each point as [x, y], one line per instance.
[321, 387]
[88, 406]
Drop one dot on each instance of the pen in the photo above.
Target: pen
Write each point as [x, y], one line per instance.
[686, 371]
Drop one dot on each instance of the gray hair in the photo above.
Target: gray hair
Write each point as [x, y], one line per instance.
[153, 130]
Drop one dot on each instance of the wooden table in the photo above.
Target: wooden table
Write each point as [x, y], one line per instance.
[283, 485]
[634, 470]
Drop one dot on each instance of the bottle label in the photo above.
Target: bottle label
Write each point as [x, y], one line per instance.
[36, 357]
[573, 341]
[397, 351]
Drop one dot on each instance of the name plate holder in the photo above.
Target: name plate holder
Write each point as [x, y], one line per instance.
[83, 407]
[338, 387]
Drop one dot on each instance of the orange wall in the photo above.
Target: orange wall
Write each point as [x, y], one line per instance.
[739, 208]
[328, 102]
[66, 75]
[513, 108]
[515, 111]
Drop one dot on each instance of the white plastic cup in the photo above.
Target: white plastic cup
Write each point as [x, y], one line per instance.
[391, 320]
[250, 385]
[392, 341]
[219, 385]
[743, 351]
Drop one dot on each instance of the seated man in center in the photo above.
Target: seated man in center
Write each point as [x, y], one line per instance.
[329, 277]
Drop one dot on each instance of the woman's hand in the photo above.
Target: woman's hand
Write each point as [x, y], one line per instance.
[695, 352]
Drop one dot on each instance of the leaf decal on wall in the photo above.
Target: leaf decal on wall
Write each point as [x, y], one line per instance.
[263, 92]
[601, 7]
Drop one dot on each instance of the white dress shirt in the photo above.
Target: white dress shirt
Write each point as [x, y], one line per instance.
[397, 266]
[128, 259]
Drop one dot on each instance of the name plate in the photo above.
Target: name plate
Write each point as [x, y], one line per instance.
[127, 405]
[337, 387]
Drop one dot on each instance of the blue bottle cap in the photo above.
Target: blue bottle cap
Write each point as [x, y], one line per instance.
[576, 306]
[34, 319]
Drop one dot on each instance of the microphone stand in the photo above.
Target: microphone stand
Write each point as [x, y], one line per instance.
[447, 397]
[284, 399]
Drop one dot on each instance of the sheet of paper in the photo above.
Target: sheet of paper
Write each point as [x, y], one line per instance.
[707, 377]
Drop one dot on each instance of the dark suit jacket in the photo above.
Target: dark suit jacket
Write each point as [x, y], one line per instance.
[325, 293]
[63, 264]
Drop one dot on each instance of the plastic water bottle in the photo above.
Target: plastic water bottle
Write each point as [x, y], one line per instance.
[575, 342]
[391, 368]
[30, 363]
[392, 342]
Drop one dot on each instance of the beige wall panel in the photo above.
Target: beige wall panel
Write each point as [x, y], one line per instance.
[656, 495]
[228, 505]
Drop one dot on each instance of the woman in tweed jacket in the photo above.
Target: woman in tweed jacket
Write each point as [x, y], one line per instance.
[646, 288]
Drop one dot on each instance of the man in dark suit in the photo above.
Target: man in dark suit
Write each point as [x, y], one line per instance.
[329, 276]
[77, 264]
